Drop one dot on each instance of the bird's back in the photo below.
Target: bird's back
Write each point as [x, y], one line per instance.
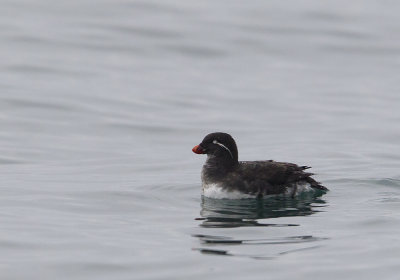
[269, 177]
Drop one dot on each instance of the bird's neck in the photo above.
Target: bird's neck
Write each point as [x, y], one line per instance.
[216, 168]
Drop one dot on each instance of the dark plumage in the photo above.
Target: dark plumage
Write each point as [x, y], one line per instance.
[257, 178]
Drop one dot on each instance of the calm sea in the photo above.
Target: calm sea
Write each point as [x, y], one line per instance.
[102, 101]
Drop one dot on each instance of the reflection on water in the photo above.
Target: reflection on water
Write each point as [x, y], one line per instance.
[225, 213]
[252, 256]
[228, 213]
[209, 239]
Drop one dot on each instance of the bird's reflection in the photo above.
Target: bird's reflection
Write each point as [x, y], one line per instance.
[226, 213]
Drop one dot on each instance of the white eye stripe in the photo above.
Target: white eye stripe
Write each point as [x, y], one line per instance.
[223, 146]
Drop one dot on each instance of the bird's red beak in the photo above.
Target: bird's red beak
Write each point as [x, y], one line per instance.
[198, 149]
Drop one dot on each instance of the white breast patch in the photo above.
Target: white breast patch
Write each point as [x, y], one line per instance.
[215, 191]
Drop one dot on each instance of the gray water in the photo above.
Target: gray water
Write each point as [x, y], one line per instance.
[102, 101]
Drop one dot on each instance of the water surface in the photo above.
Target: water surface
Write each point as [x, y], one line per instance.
[101, 103]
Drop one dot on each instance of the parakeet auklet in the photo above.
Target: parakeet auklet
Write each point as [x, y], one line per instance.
[223, 176]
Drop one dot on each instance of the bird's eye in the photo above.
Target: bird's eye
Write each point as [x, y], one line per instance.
[215, 142]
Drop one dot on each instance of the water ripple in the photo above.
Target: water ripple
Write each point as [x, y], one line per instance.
[233, 213]
[223, 213]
